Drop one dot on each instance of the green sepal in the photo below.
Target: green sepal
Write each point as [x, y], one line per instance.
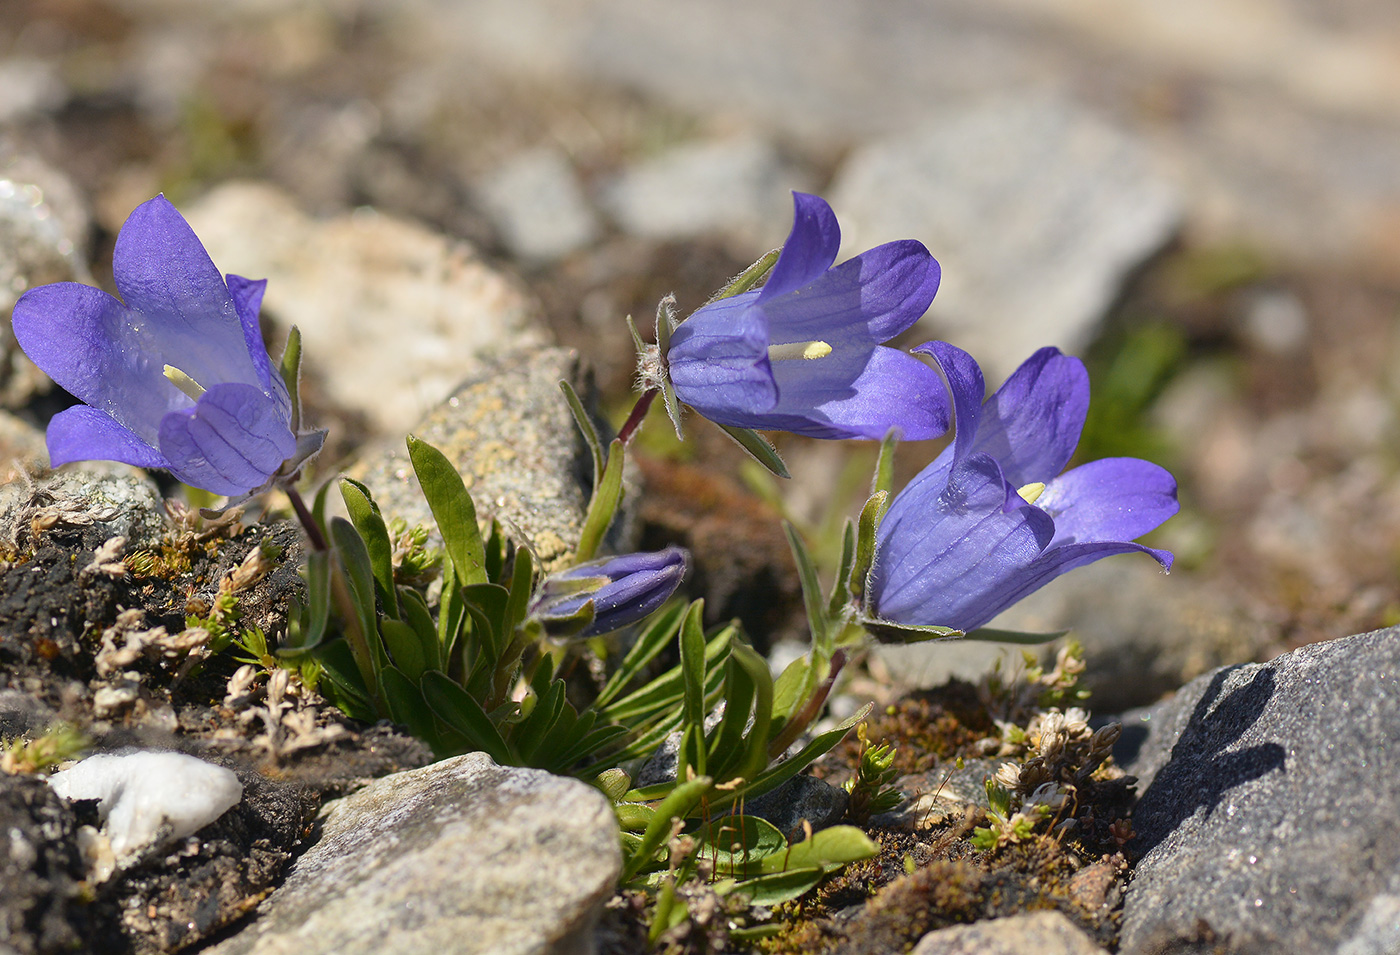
[891, 632]
[290, 369]
[993, 635]
[866, 528]
[750, 278]
[883, 478]
[758, 448]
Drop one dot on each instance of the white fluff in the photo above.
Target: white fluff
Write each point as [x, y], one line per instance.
[141, 791]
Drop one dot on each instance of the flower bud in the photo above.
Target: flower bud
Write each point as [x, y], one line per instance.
[606, 595]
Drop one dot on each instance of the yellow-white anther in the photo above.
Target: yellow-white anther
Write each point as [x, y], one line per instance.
[793, 350]
[184, 382]
[1031, 492]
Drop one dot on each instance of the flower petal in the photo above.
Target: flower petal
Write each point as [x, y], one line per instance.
[1051, 564]
[164, 275]
[82, 433]
[1033, 422]
[941, 551]
[810, 248]
[247, 295]
[846, 396]
[719, 361]
[1112, 499]
[93, 347]
[866, 300]
[231, 441]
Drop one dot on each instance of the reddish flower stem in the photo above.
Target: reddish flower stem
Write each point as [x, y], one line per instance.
[308, 523]
[634, 420]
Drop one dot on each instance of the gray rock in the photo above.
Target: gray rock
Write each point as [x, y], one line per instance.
[463, 856]
[509, 432]
[801, 799]
[41, 868]
[1269, 797]
[737, 188]
[1045, 933]
[1036, 209]
[23, 715]
[537, 204]
[391, 314]
[111, 502]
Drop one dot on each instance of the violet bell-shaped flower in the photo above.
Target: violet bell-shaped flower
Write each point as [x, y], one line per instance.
[804, 352]
[992, 519]
[175, 375]
[620, 590]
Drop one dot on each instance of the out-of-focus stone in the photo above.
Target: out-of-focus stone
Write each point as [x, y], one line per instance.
[392, 316]
[736, 188]
[44, 227]
[1269, 797]
[1045, 933]
[537, 204]
[462, 856]
[1036, 209]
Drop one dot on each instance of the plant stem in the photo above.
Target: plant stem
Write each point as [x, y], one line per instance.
[634, 420]
[308, 523]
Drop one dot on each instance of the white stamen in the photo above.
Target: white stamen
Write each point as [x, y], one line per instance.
[1031, 492]
[184, 382]
[791, 350]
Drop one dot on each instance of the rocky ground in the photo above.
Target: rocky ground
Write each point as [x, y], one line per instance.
[1202, 204]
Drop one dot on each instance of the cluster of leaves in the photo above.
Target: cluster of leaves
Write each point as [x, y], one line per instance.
[60, 742]
[870, 789]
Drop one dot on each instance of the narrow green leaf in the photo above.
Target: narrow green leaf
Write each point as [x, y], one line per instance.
[693, 663]
[793, 687]
[418, 616]
[364, 514]
[405, 650]
[452, 612]
[655, 638]
[522, 584]
[667, 688]
[602, 506]
[452, 509]
[755, 749]
[823, 640]
[758, 448]
[726, 752]
[317, 572]
[455, 707]
[342, 683]
[406, 705]
[779, 773]
[354, 557]
[678, 805]
[585, 425]
[841, 585]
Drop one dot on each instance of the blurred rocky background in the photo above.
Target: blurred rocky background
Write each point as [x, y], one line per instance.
[1199, 197]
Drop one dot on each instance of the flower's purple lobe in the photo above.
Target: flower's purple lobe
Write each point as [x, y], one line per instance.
[975, 531]
[228, 429]
[622, 589]
[804, 353]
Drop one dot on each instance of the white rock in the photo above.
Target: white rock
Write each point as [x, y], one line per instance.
[139, 792]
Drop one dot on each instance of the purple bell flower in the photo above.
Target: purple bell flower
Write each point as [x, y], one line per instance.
[176, 375]
[992, 519]
[804, 352]
[622, 590]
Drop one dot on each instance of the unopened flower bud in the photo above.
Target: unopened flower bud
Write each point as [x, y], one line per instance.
[620, 590]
